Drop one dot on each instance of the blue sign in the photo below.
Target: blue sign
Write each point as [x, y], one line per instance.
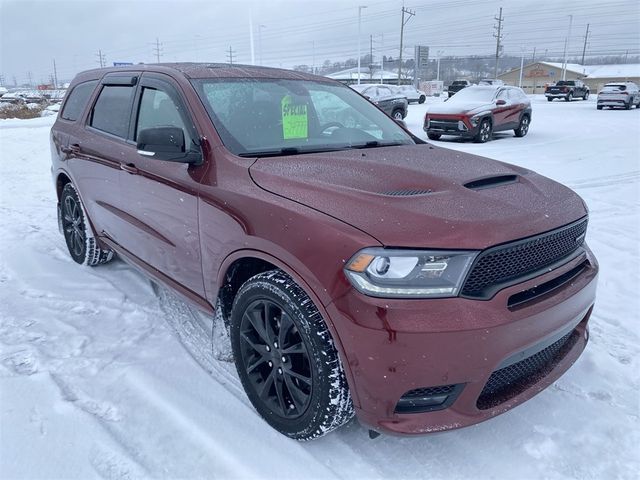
[122, 64]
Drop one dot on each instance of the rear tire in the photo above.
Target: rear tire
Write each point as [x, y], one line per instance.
[433, 136]
[586, 96]
[81, 243]
[599, 107]
[280, 341]
[484, 132]
[422, 99]
[549, 99]
[523, 128]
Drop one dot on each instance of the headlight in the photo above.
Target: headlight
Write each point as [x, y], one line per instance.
[475, 119]
[380, 272]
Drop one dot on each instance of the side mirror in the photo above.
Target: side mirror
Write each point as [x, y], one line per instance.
[165, 143]
[501, 102]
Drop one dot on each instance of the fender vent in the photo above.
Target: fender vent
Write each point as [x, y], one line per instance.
[491, 182]
[406, 192]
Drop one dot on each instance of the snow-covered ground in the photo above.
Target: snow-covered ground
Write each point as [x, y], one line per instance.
[96, 383]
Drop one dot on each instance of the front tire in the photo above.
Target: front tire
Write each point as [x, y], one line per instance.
[422, 99]
[569, 97]
[484, 132]
[81, 243]
[397, 115]
[586, 96]
[549, 99]
[599, 107]
[627, 106]
[523, 128]
[286, 359]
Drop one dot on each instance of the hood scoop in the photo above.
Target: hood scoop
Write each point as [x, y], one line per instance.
[408, 192]
[491, 182]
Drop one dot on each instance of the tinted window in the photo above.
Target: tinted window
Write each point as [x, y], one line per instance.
[77, 100]
[112, 110]
[157, 109]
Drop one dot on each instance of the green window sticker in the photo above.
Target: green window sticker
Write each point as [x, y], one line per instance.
[294, 119]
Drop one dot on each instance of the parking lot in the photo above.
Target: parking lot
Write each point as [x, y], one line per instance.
[94, 377]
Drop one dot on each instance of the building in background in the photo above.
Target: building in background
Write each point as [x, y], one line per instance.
[536, 76]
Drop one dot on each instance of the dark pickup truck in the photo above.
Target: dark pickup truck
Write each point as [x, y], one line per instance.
[458, 85]
[567, 89]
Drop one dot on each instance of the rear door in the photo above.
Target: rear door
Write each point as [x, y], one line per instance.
[95, 151]
[161, 196]
[502, 114]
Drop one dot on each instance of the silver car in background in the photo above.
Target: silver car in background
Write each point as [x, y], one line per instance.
[411, 93]
[619, 94]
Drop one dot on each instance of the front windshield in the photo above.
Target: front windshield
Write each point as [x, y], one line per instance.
[471, 94]
[277, 117]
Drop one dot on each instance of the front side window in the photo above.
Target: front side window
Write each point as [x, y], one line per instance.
[277, 116]
[74, 106]
[157, 109]
[112, 110]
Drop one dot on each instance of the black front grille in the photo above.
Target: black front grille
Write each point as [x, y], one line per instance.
[513, 262]
[429, 391]
[512, 380]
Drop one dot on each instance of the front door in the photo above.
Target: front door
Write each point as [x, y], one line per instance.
[161, 199]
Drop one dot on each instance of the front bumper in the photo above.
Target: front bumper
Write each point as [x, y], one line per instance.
[392, 347]
[458, 126]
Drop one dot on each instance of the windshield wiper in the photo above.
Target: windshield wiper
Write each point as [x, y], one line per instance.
[376, 144]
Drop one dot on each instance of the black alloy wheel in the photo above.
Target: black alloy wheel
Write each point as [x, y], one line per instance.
[73, 227]
[286, 358]
[276, 359]
[81, 243]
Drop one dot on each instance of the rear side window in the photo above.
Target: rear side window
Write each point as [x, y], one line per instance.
[77, 100]
[112, 110]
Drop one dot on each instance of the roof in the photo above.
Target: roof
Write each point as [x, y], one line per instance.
[208, 70]
[628, 70]
[365, 74]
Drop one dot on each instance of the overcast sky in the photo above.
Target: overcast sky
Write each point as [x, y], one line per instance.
[292, 32]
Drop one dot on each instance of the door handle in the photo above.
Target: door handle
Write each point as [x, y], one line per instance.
[129, 168]
[73, 149]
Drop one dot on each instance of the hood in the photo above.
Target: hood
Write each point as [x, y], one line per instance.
[415, 195]
[454, 108]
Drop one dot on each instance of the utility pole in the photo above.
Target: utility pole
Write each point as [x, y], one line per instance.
[360, 7]
[157, 50]
[521, 68]
[440, 52]
[584, 48]
[230, 56]
[402, 24]
[101, 58]
[498, 37]
[566, 45]
[260, 27]
[30, 79]
[370, 57]
[626, 55]
[533, 59]
[55, 74]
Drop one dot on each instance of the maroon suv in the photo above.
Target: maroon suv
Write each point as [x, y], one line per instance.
[358, 268]
[479, 111]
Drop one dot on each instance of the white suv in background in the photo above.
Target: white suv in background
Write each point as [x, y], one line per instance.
[619, 94]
